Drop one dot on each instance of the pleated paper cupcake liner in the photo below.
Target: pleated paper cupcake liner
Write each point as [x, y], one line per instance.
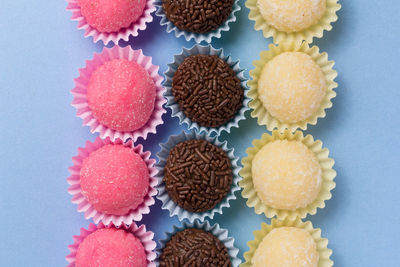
[221, 233]
[84, 206]
[197, 37]
[80, 101]
[322, 243]
[328, 174]
[168, 203]
[106, 38]
[262, 114]
[174, 106]
[307, 35]
[145, 237]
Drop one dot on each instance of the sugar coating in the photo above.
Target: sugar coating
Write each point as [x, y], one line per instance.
[291, 86]
[114, 179]
[292, 15]
[111, 15]
[286, 247]
[121, 95]
[111, 247]
[286, 175]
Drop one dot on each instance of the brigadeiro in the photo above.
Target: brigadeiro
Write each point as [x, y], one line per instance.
[197, 176]
[112, 182]
[111, 247]
[197, 16]
[119, 94]
[111, 20]
[104, 246]
[198, 244]
[198, 20]
[206, 90]
[194, 247]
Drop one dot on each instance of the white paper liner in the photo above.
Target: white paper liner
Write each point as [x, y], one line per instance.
[145, 237]
[84, 206]
[221, 233]
[168, 203]
[80, 101]
[174, 106]
[197, 37]
[123, 34]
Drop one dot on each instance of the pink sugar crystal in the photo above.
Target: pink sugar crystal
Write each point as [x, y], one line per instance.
[111, 15]
[111, 247]
[121, 95]
[114, 179]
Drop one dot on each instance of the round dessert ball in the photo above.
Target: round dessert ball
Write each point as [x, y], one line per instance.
[111, 247]
[197, 16]
[286, 175]
[207, 90]
[121, 95]
[292, 15]
[198, 175]
[195, 246]
[114, 179]
[292, 86]
[111, 15]
[286, 247]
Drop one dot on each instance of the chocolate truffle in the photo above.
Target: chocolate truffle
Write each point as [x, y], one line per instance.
[197, 175]
[114, 179]
[121, 95]
[292, 86]
[111, 15]
[292, 15]
[207, 90]
[111, 247]
[198, 16]
[286, 247]
[194, 247]
[286, 175]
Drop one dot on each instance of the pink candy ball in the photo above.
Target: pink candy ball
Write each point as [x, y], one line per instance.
[114, 179]
[111, 15]
[111, 247]
[121, 95]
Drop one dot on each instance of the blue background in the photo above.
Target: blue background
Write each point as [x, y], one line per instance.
[41, 51]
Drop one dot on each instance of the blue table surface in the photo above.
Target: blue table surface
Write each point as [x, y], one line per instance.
[41, 51]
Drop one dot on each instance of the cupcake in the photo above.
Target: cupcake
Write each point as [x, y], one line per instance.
[110, 246]
[288, 243]
[111, 20]
[293, 20]
[198, 244]
[112, 182]
[287, 175]
[206, 90]
[197, 176]
[119, 94]
[197, 20]
[291, 87]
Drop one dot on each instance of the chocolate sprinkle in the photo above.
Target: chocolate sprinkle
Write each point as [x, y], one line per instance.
[197, 175]
[194, 247]
[199, 16]
[207, 90]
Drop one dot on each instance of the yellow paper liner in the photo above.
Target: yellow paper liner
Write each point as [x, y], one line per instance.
[307, 35]
[262, 114]
[328, 174]
[322, 243]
